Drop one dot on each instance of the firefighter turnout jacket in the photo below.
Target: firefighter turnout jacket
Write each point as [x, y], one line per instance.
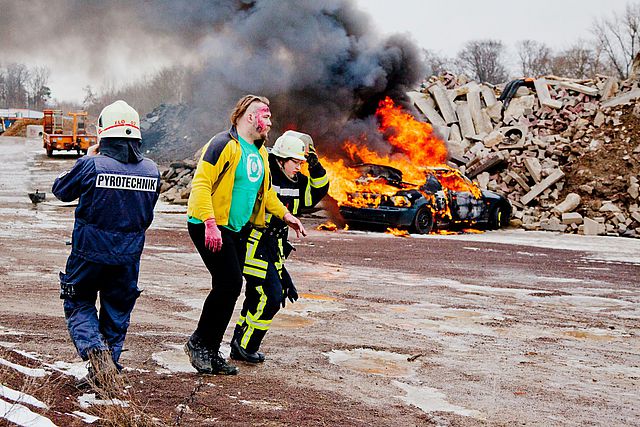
[115, 207]
[270, 244]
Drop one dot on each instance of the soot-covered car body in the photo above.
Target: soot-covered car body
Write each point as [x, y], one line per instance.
[446, 199]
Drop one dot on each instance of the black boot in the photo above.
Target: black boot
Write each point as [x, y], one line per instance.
[239, 353]
[205, 360]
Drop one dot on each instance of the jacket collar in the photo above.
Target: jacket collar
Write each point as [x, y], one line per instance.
[233, 132]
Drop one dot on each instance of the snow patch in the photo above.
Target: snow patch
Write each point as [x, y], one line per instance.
[23, 416]
[37, 373]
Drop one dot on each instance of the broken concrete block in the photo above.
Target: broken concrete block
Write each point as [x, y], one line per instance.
[483, 180]
[518, 107]
[481, 120]
[609, 207]
[592, 228]
[486, 163]
[537, 189]
[420, 101]
[571, 202]
[533, 166]
[625, 98]
[520, 180]
[636, 216]
[591, 91]
[599, 119]
[488, 95]
[446, 106]
[552, 224]
[571, 218]
[466, 122]
[609, 89]
[494, 138]
[634, 190]
[542, 89]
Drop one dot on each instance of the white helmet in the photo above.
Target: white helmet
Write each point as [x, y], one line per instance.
[119, 120]
[291, 145]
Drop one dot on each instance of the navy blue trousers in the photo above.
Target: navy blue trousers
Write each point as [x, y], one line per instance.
[117, 287]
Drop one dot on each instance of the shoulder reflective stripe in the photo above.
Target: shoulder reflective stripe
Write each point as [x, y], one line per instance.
[126, 182]
[319, 182]
[260, 274]
[289, 192]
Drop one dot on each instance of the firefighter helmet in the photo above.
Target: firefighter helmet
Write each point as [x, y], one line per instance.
[291, 145]
[119, 120]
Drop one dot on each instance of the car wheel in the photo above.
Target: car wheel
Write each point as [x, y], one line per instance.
[423, 221]
[499, 217]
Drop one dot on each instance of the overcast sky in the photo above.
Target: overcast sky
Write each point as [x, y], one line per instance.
[444, 26]
[440, 26]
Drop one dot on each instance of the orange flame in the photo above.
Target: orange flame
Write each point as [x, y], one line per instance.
[327, 226]
[397, 232]
[413, 148]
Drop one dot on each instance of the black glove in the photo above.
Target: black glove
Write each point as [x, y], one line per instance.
[312, 156]
[288, 288]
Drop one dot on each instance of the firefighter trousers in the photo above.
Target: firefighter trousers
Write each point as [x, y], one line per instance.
[261, 304]
[117, 287]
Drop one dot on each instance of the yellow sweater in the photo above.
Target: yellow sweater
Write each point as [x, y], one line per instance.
[213, 181]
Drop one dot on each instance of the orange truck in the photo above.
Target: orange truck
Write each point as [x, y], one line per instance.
[55, 138]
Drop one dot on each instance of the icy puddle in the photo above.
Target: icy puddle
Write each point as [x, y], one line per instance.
[372, 362]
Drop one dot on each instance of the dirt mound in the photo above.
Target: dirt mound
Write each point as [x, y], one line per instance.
[172, 132]
[607, 169]
[19, 128]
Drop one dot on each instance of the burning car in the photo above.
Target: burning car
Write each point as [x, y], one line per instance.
[445, 199]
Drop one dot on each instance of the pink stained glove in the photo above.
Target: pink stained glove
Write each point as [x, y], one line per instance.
[212, 235]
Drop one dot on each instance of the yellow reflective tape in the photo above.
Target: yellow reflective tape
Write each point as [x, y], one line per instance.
[296, 205]
[256, 234]
[250, 258]
[261, 274]
[240, 321]
[252, 320]
[308, 201]
[319, 182]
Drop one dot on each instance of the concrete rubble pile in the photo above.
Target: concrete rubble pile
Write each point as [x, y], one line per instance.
[526, 150]
[532, 151]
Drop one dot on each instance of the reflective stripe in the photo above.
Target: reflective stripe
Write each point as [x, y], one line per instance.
[319, 182]
[240, 321]
[289, 192]
[261, 274]
[308, 201]
[296, 205]
[253, 321]
[250, 259]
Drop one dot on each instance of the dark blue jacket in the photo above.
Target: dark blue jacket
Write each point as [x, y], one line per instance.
[115, 208]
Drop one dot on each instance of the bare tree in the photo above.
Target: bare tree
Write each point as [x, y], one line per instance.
[16, 77]
[436, 63]
[39, 92]
[619, 38]
[578, 61]
[534, 58]
[483, 60]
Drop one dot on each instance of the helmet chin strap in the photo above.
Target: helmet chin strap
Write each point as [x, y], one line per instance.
[281, 164]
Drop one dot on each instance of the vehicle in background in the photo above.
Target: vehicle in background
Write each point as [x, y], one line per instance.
[446, 199]
[54, 136]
